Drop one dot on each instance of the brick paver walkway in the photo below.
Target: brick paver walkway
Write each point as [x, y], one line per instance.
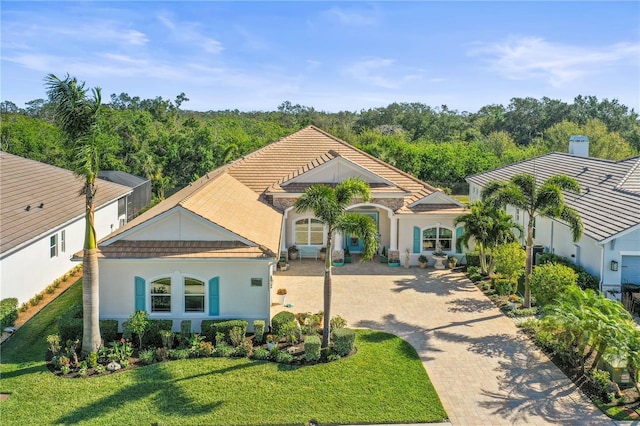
[484, 370]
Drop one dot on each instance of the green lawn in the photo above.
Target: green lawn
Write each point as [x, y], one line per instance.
[384, 382]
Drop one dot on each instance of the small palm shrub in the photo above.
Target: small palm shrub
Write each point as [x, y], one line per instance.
[337, 322]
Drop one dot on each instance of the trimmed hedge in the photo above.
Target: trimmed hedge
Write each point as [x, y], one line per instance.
[280, 319]
[258, 330]
[312, 348]
[70, 327]
[8, 312]
[344, 340]
[152, 335]
[209, 328]
[585, 279]
[109, 330]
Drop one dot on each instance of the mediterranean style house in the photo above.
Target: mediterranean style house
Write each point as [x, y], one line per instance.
[209, 251]
[42, 222]
[609, 205]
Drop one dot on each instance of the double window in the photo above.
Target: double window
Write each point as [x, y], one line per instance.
[193, 294]
[309, 232]
[437, 238]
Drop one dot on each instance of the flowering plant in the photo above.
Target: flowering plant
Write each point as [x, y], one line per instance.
[281, 291]
[293, 249]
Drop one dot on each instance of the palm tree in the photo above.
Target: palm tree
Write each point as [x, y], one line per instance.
[76, 115]
[488, 227]
[329, 205]
[546, 200]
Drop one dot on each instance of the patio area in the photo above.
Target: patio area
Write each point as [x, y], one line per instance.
[485, 371]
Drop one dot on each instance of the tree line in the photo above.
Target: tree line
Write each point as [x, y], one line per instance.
[171, 146]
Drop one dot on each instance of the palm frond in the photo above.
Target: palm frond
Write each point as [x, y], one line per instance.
[361, 226]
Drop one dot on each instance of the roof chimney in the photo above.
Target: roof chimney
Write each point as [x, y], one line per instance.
[579, 145]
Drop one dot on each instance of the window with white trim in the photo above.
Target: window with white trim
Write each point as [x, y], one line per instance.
[63, 241]
[309, 232]
[53, 245]
[161, 295]
[194, 293]
[437, 238]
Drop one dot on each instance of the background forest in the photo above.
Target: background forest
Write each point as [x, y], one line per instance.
[156, 139]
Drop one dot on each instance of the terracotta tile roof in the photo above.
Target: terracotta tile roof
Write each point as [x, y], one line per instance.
[224, 201]
[124, 249]
[30, 183]
[608, 203]
[265, 169]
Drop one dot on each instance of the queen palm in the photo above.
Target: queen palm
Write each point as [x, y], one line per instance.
[329, 205]
[76, 114]
[488, 227]
[546, 200]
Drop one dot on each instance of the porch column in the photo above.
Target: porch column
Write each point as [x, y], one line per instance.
[338, 241]
[393, 232]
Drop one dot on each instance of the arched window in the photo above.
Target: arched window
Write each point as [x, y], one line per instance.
[309, 232]
[437, 238]
[161, 295]
[194, 293]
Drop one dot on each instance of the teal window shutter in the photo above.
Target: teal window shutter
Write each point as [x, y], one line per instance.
[141, 295]
[416, 239]
[214, 296]
[459, 232]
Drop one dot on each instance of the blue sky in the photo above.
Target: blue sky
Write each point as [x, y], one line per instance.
[332, 56]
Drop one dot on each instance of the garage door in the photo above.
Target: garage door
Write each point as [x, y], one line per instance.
[630, 270]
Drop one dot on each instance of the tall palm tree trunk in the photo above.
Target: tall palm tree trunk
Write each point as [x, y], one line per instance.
[529, 263]
[326, 327]
[91, 339]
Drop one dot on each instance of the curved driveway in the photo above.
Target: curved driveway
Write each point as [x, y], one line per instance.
[484, 370]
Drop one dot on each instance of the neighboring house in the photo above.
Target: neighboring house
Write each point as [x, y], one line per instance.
[139, 198]
[609, 205]
[42, 222]
[209, 250]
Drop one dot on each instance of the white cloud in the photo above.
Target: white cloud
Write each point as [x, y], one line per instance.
[354, 18]
[535, 58]
[381, 73]
[191, 33]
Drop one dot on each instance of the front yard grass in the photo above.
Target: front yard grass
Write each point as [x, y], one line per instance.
[384, 382]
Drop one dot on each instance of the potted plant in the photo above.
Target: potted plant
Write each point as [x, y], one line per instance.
[293, 252]
[282, 264]
[423, 261]
[282, 292]
[272, 341]
[394, 258]
[452, 260]
[347, 255]
[323, 253]
[337, 258]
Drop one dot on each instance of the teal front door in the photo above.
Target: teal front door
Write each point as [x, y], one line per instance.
[354, 244]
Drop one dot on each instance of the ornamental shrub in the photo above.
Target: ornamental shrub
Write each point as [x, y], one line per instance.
[344, 340]
[280, 319]
[8, 312]
[152, 337]
[258, 330]
[260, 354]
[137, 324]
[585, 280]
[226, 326]
[70, 324]
[109, 330]
[236, 336]
[312, 348]
[283, 357]
[185, 330]
[503, 287]
[337, 322]
[509, 260]
[92, 359]
[551, 280]
[147, 356]
[206, 329]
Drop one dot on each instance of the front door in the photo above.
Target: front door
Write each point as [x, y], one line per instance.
[354, 244]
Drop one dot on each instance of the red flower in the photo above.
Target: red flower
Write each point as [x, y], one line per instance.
[122, 340]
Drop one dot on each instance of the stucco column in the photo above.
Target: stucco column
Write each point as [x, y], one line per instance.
[393, 232]
[338, 241]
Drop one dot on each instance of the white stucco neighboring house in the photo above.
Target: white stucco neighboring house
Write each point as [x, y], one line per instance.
[209, 251]
[42, 222]
[609, 205]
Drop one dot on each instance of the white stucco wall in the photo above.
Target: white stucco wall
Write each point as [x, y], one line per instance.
[29, 270]
[405, 235]
[626, 245]
[238, 299]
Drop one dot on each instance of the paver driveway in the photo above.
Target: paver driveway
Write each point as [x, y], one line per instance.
[485, 371]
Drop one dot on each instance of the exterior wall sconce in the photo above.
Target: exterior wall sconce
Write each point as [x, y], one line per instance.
[614, 265]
